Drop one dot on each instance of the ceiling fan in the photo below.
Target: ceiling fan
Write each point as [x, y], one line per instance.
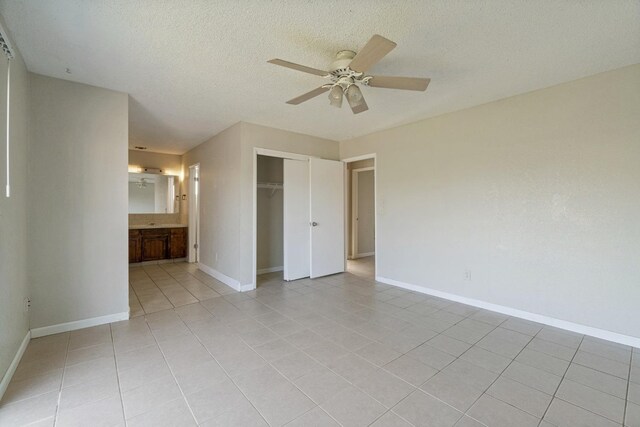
[347, 71]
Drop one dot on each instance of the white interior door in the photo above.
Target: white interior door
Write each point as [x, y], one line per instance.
[326, 180]
[296, 219]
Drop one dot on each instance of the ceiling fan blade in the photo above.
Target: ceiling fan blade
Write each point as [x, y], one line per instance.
[307, 96]
[298, 67]
[375, 49]
[360, 107]
[406, 83]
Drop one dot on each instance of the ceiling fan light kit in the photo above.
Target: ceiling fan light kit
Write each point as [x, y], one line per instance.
[347, 71]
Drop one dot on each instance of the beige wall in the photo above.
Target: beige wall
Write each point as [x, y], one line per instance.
[77, 235]
[219, 159]
[227, 189]
[14, 320]
[366, 213]
[171, 163]
[255, 136]
[534, 196]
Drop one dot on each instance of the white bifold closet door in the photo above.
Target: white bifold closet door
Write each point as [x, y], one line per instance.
[297, 238]
[313, 218]
[326, 182]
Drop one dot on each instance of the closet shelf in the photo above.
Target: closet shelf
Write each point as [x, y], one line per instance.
[273, 186]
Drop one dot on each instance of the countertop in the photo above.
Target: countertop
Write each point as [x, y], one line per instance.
[148, 226]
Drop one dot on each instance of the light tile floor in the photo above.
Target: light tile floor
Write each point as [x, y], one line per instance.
[159, 287]
[340, 350]
[362, 267]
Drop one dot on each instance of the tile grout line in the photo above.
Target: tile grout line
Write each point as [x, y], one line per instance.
[561, 380]
[440, 370]
[64, 371]
[222, 368]
[626, 396]
[115, 360]
[164, 357]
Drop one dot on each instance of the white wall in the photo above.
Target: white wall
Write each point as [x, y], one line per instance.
[77, 235]
[14, 321]
[536, 196]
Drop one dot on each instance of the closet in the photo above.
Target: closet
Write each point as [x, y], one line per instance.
[269, 211]
[299, 215]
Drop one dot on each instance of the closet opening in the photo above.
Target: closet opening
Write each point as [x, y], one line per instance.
[269, 220]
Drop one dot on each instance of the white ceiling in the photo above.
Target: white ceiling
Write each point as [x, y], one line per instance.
[193, 68]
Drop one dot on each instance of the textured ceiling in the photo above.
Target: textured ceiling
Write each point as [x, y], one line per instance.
[193, 68]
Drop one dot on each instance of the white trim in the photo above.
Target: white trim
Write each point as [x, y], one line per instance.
[280, 154]
[229, 281]
[539, 318]
[247, 288]
[270, 270]
[6, 379]
[366, 254]
[79, 324]
[361, 157]
[193, 220]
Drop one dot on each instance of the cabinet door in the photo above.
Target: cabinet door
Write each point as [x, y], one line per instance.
[178, 243]
[154, 247]
[134, 249]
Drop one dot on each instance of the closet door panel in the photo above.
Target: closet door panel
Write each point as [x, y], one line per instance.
[296, 219]
[326, 179]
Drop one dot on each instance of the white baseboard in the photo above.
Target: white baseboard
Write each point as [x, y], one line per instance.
[229, 281]
[6, 379]
[78, 324]
[247, 288]
[269, 270]
[539, 318]
[366, 254]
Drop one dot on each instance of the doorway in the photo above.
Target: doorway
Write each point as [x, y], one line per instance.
[312, 216]
[361, 216]
[194, 213]
[269, 219]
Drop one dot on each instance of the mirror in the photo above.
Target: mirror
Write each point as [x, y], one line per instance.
[152, 193]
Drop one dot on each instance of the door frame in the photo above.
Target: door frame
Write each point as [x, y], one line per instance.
[194, 216]
[375, 204]
[355, 208]
[269, 153]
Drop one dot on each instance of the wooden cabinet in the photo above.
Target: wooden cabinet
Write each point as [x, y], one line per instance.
[135, 246]
[157, 243]
[178, 242]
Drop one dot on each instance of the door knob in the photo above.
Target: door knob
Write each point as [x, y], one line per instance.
[314, 224]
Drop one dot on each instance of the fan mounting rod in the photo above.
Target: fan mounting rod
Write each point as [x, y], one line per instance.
[341, 74]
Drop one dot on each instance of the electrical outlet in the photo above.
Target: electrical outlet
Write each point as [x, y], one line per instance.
[27, 305]
[467, 275]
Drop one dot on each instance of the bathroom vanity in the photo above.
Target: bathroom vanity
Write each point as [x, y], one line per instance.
[157, 242]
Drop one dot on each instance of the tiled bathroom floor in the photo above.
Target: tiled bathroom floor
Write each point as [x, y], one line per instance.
[342, 350]
[159, 287]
